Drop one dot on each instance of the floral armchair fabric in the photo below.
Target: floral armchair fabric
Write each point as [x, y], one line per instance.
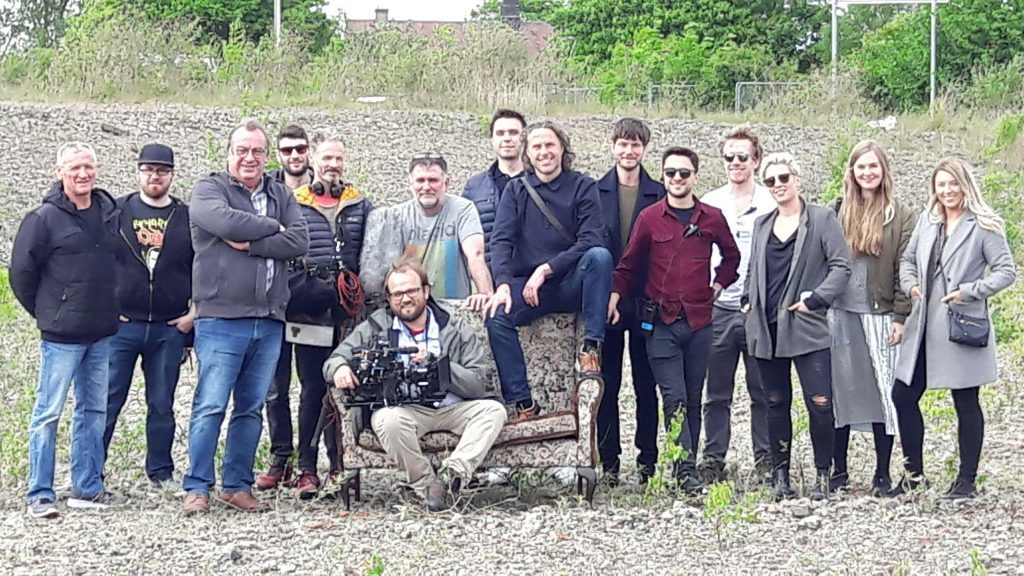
[564, 434]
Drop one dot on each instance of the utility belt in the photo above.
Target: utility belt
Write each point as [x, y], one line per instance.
[649, 310]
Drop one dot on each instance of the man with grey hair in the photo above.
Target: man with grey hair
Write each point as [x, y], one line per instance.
[245, 228]
[61, 273]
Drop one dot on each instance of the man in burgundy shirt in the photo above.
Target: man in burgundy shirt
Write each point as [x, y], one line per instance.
[672, 240]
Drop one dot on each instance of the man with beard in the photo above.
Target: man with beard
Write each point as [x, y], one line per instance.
[470, 407]
[442, 231]
[245, 229]
[335, 214]
[672, 240]
[625, 191]
[742, 201]
[548, 256]
[485, 188]
[154, 291]
[293, 155]
[62, 273]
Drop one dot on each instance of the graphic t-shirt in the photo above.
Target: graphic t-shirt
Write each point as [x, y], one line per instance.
[437, 242]
[149, 225]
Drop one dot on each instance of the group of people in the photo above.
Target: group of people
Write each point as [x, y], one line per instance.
[870, 306]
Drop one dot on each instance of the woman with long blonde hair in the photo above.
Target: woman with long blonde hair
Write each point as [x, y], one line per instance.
[867, 319]
[957, 259]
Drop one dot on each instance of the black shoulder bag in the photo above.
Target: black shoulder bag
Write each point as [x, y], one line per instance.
[963, 329]
[547, 211]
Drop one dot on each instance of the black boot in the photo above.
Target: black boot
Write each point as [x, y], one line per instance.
[908, 483]
[822, 486]
[780, 481]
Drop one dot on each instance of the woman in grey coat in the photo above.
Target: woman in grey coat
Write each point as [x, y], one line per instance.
[799, 264]
[867, 319]
[957, 259]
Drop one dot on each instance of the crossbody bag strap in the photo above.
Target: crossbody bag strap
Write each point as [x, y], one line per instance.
[547, 211]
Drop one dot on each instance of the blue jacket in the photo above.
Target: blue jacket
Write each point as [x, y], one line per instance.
[484, 194]
[650, 192]
[523, 238]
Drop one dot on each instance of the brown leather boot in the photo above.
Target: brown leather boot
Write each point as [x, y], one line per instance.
[242, 501]
[196, 503]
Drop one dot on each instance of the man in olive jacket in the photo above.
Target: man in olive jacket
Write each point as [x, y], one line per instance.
[470, 408]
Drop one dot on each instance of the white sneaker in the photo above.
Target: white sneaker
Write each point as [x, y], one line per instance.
[101, 501]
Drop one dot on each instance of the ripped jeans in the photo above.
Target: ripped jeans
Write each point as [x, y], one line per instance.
[815, 372]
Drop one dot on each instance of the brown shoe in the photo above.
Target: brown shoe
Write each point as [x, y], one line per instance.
[242, 501]
[307, 486]
[436, 496]
[588, 364]
[196, 503]
[275, 476]
[526, 413]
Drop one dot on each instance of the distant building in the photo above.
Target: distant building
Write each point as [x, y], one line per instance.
[538, 34]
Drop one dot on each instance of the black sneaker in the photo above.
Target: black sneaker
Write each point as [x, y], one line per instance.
[780, 485]
[881, 487]
[101, 501]
[689, 484]
[960, 489]
[839, 482]
[822, 488]
[907, 485]
[43, 508]
[711, 471]
[646, 473]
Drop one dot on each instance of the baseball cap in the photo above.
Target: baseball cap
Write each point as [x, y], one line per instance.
[154, 153]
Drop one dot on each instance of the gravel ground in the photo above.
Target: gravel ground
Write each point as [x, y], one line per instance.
[538, 527]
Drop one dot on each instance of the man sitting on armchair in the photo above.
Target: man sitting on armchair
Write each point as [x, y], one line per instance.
[470, 407]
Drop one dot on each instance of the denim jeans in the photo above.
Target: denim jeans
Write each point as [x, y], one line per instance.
[160, 347]
[679, 361]
[237, 358]
[587, 287]
[86, 365]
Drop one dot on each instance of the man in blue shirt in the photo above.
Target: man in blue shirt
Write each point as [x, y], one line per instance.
[548, 255]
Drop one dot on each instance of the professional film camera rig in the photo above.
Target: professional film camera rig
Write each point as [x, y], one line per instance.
[322, 267]
[385, 380]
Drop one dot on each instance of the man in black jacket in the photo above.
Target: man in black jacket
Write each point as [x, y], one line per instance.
[62, 273]
[335, 214]
[625, 191]
[154, 292]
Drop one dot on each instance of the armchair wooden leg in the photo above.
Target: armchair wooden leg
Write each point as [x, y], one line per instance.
[350, 484]
[586, 477]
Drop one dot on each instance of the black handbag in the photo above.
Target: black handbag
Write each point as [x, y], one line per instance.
[963, 329]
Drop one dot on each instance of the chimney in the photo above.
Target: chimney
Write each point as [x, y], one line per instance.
[511, 13]
[380, 15]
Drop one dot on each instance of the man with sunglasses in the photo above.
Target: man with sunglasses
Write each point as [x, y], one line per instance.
[742, 200]
[470, 408]
[293, 155]
[154, 291]
[672, 242]
[245, 228]
[439, 229]
[625, 191]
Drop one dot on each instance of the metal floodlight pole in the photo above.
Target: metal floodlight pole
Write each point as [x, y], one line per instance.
[277, 23]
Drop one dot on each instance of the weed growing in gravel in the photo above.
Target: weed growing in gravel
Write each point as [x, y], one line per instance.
[376, 566]
[723, 506]
[977, 566]
[669, 453]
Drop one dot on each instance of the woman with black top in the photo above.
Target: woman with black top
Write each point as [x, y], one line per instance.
[799, 264]
[867, 319]
[957, 259]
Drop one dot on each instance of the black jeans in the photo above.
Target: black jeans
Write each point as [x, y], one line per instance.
[679, 361]
[970, 432]
[728, 345]
[815, 373]
[609, 442]
[309, 361]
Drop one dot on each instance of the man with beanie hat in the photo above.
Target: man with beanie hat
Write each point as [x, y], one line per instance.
[154, 291]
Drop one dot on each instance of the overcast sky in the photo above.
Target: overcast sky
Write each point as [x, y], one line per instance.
[447, 10]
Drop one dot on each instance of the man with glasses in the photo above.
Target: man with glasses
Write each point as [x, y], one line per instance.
[245, 228]
[293, 155]
[442, 231]
[672, 241]
[742, 201]
[625, 191]
[470, 408]
[154, 291]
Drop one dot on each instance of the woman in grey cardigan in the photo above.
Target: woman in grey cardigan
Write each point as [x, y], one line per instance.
[867, 319]
[956, 260]
[799, 264]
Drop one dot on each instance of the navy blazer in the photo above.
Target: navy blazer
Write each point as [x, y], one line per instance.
[608, 189]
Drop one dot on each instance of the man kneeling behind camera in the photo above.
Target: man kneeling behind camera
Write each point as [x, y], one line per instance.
[468, 406]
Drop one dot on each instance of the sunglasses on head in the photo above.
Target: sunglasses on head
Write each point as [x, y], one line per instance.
[671, 173]
[743, 157]
[287, 150]
[770, 181]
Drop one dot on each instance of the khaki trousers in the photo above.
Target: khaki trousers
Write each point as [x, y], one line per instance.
[399, 429]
